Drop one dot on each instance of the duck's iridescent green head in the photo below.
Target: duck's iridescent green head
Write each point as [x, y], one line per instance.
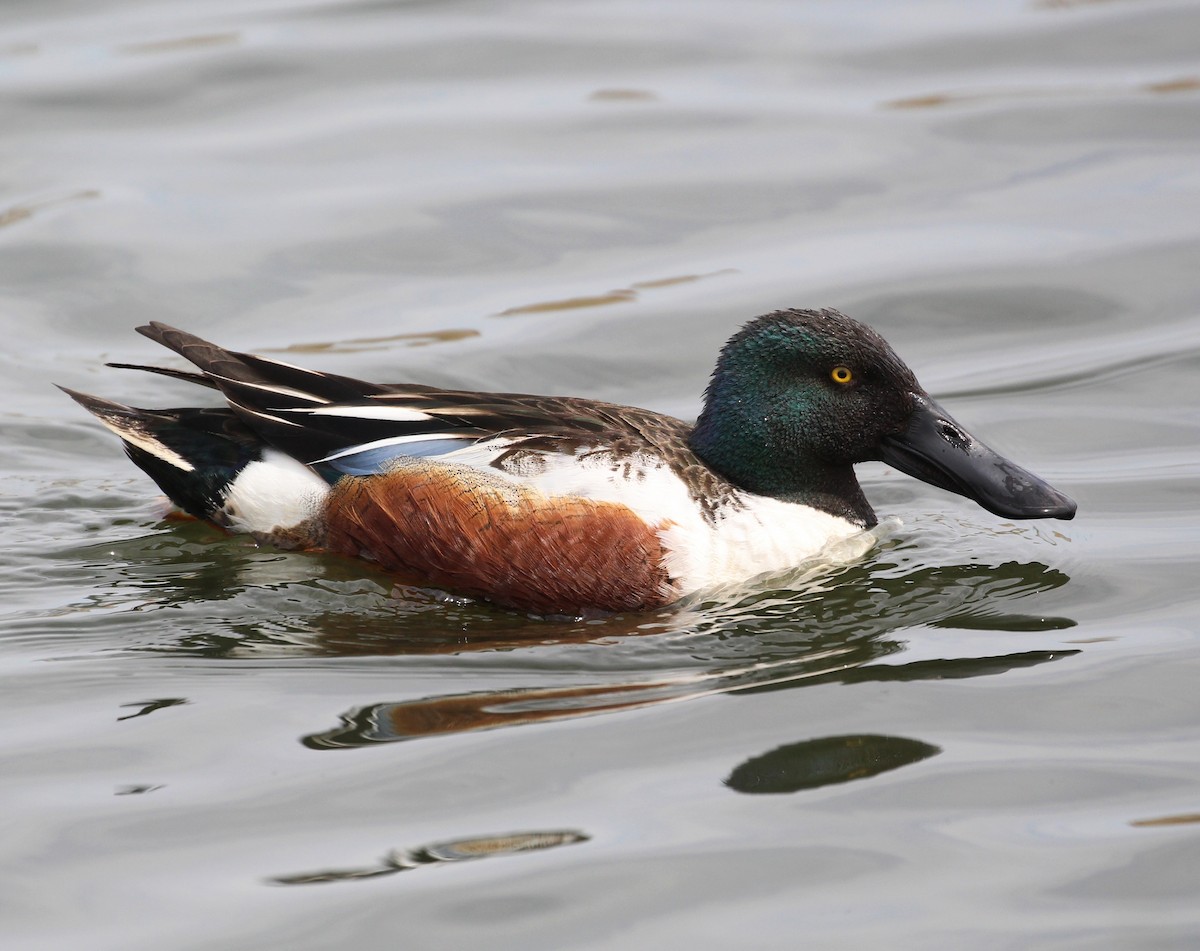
[799, 396]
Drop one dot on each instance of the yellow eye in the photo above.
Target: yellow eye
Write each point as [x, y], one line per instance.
[841, 375]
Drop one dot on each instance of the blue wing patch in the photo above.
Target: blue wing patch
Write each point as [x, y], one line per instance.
[372, 460]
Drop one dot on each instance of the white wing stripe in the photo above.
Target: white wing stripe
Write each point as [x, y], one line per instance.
[261, 415]
[400, 414]
[269, 388]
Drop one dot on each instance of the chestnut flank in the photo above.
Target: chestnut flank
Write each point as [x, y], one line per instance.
[468, 531]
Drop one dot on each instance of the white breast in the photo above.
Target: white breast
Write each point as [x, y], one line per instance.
[763, 536]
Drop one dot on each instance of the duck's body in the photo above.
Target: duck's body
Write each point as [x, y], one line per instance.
[559, 504]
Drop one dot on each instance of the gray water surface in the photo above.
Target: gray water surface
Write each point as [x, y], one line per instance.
[981, 735]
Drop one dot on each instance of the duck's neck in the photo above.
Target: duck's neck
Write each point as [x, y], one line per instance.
[738, 445]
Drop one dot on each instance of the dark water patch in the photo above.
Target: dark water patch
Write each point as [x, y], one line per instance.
[827, 761]
[137, 789]
[146, 707]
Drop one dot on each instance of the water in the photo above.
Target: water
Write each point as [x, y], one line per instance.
[980, 735]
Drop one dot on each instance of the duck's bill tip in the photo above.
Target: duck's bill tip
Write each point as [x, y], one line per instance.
[936, 449]
[1064, 509]
[1055, 505]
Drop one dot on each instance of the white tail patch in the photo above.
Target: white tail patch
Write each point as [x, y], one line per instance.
[138, 436]
[275, 493]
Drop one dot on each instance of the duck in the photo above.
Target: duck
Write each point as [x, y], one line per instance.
[558, 505]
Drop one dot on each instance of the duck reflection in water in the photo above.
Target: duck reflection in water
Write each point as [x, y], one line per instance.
[837, 629]
[439, 853]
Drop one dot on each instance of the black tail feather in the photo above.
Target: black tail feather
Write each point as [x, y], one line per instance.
[186, 375]
[193, 454]
[246, 368]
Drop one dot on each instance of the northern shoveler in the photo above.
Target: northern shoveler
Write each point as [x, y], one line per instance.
[560, 505]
